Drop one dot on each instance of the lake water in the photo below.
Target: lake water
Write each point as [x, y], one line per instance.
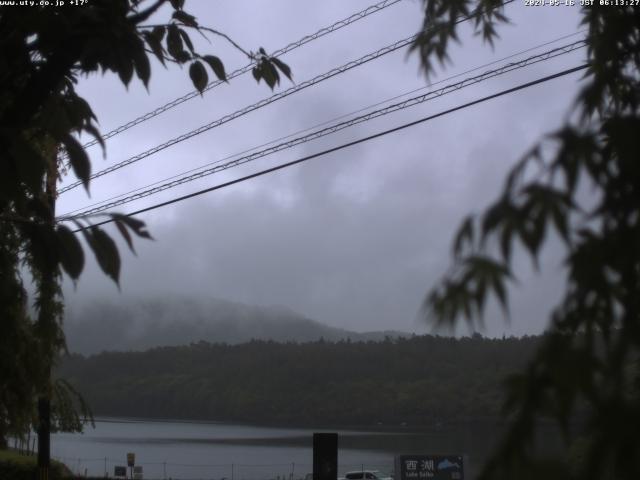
[182, 450]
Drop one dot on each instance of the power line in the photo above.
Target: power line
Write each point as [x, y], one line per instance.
[262, 103]
[308, 129]
[553, 53]
[241, 71]
[349, 144]
[250, 108]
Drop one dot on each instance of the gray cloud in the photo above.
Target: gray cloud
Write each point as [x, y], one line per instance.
[353, 239]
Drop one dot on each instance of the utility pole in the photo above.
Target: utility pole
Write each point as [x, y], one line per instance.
[46, 325]
[44, 429]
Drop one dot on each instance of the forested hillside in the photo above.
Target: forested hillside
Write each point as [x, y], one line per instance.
[422, 380]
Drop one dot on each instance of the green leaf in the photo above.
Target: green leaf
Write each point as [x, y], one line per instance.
[560, 221]
[105, 251]
[498, 288]
[185, 18]
[493, 217]
[125, 234]
[505, 240]
[158, 32]
[198, 75]
[270, 74]
[124, 66]
[155, 44]
[517, 172]
[82, 109]
[78, 159]
[186, 40]
[141, 63]
[91, 128]
[174, 42]
[137, 226]
[283, 67]
[528, 238]
[465, 234]
[264, 70]
[183, 57]
[217, 66]
[70, 252]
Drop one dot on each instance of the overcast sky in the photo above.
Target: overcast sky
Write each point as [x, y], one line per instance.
[353, 239]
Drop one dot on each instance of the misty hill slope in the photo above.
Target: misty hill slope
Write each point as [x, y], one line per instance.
[144, 324]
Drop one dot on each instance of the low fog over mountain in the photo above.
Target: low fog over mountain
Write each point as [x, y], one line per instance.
[143, 324]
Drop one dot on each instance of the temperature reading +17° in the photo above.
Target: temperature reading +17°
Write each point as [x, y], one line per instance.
[77, 3]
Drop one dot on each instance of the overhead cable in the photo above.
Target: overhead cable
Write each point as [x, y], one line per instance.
[343, 125]
[262, 103]
[348, 144]
[309, 129]
[243, 111]
[240, 71]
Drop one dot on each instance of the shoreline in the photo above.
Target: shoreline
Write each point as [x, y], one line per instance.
[366, 428]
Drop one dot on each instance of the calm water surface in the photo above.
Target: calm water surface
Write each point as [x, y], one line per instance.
[182, 450]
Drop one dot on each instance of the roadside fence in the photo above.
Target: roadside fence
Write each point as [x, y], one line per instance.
[104, 467]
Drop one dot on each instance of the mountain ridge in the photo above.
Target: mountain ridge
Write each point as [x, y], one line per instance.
[141, 324]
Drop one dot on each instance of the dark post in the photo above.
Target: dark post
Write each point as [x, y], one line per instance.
[325, 456]
[43, 438]
[46, 323]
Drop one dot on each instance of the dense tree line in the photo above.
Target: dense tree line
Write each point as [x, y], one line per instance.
[422, 380]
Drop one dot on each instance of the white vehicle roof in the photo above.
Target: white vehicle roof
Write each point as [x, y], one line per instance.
[358, 474]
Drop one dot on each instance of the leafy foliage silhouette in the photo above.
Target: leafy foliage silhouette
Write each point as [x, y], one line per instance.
[44, 51]
[590, 356]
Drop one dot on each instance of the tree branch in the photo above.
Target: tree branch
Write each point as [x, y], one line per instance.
[206, 29]
[145, 14]
[228, 38]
